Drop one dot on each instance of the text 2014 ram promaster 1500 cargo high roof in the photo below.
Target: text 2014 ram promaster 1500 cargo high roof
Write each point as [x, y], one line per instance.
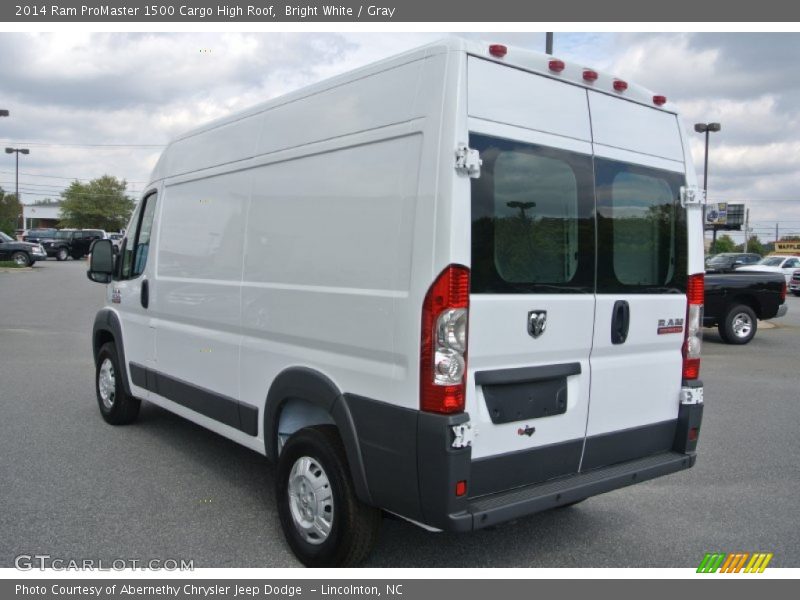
[461, 285]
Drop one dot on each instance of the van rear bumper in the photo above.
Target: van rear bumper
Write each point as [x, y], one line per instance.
[414, 468]
[504, 506]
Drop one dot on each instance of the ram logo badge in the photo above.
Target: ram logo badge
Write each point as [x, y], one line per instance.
[670, 326]
[537, 321]
[527, 430]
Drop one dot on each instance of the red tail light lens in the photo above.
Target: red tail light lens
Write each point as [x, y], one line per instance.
[589, 75]
[693, 336]
[783, 293]
[556, 65]
[443, 349]
[498, 50]
[695, 289]
[620, 85]
[659, 100]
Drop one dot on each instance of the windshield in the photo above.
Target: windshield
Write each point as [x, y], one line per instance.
[63, 235]
[772, 261]
[5, 237]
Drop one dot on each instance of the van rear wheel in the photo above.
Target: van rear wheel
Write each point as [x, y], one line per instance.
[116, 407]
[325, 524]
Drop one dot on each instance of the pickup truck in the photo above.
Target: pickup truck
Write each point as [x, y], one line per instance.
[734, 302]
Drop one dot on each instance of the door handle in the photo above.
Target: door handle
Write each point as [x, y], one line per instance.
[620, 320]
[145, 295]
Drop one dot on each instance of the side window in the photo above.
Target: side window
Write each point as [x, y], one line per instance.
[532, 219]
[792, 263]
[641, 229]
[137, 243]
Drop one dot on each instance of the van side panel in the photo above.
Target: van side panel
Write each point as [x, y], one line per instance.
[319, 284]
[198, 269]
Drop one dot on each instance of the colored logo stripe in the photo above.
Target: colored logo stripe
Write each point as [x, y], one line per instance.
[734, 562]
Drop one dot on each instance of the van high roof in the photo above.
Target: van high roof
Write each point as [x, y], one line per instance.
[535, 62]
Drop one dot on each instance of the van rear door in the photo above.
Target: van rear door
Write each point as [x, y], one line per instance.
[636, 356]
[532, 277]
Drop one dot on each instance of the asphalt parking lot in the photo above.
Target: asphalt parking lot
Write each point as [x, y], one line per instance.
[75, 488]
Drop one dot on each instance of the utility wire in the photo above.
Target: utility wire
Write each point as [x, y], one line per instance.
[62, 177]
[54, 145]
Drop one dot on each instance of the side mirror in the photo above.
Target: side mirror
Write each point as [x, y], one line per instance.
[101, 267]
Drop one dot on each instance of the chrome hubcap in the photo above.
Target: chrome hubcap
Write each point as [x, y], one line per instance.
[20, 259]
[107, 383]
[742, 325]
[310, 500]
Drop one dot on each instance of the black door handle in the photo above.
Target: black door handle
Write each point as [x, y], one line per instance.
[620, 321]
[145, 298]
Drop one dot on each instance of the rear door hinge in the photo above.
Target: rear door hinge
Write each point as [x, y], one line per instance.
[468, 161]
[691, 195]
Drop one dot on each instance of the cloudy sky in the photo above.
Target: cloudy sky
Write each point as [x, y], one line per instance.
[87, 104]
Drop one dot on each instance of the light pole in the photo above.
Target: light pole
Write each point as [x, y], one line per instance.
[18, 151]
[707, 128]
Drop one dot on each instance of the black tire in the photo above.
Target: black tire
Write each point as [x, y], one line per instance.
[739, 325]
[122, 408]
[353, 525]
[22, 259]
[62, 254]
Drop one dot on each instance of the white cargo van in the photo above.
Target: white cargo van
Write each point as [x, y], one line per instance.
[461, 285]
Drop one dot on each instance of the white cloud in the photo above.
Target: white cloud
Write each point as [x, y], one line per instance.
[146, 88]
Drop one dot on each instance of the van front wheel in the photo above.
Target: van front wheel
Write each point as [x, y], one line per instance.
[116, 407]
[324, 522]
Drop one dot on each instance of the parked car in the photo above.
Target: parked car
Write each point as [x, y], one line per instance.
[37, 235]
[72, 242]
[116, 239]
[794, 283]
[325, 251]
[734, 302]
[726, 262]
[22, 253]
[776, 263]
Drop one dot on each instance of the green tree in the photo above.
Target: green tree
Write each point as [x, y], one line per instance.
[99, 204]
[753, 245]
[724, 243]
[10, 210]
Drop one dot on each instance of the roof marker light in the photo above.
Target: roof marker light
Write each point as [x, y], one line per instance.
[659, 100]
[498, 50]
[556, 65]
[620, 85]
[590, 75]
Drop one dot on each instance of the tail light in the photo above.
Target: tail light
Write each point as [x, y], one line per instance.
[556, 65]
[659, 100]
[590, 75]
[620, 85]
[693, 340]
[443, 350]
[783, 293]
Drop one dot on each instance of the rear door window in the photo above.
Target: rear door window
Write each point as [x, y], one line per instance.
[532, 219]
[641, 226]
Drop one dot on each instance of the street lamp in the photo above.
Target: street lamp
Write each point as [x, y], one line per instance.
[18, 151]
[707, 128]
